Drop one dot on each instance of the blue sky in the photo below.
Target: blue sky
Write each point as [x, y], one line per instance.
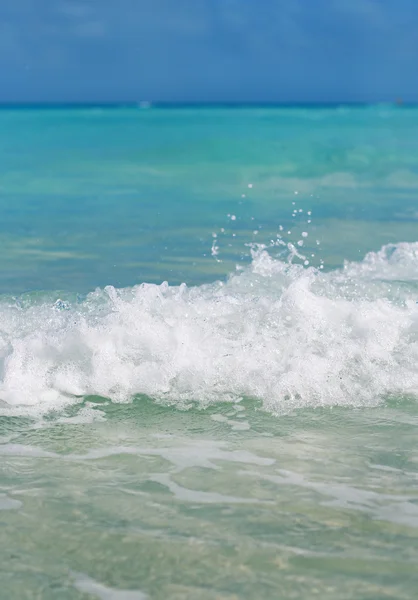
[208, 50]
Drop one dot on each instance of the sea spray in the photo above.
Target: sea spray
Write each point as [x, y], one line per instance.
[284, 334]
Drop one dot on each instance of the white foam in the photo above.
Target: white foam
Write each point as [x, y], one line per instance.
[25, 451]
[201, 453]
[87, 585]
[199, 496]
[7, 503]
[204, 454]
[381, 506]
[284, 334]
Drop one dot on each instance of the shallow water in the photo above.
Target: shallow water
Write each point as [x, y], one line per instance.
[250, 434]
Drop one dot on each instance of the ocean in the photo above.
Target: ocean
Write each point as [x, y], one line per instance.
[209, 352]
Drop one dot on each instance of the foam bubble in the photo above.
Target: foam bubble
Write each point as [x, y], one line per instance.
[87, 585]
[7, 503]
[281, 333]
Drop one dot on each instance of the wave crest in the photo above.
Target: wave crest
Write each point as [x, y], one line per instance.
[284, 334]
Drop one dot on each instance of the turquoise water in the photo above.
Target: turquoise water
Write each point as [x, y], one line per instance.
[208, 352]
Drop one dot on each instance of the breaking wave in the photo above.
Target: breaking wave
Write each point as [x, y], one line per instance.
[285, 334]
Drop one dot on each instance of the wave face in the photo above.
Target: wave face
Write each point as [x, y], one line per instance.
[284, 334]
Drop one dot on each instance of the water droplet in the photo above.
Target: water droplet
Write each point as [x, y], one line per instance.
[62, 305]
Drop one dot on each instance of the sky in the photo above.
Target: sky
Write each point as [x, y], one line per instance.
[208, 50]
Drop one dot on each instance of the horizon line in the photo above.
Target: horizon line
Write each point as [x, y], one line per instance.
[143, 104]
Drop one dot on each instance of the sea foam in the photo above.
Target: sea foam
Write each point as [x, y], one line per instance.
[284, 334]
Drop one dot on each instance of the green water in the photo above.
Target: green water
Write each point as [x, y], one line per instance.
[222, 503]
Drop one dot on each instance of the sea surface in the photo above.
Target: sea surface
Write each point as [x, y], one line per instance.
[209, 353]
